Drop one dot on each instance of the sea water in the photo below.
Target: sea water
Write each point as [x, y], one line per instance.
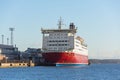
[91, 72]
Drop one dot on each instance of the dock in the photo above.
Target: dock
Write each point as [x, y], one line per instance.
[10, 64]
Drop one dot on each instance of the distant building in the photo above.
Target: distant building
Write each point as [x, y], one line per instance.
[33, 50]
[35, 53]
[9, 51]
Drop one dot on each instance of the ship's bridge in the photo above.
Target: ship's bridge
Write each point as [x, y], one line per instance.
[47, 31]
[71, 29]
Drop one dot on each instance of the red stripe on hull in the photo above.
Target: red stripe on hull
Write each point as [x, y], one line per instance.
[64, 57]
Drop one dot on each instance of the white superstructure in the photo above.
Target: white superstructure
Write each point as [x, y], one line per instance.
[65, 40]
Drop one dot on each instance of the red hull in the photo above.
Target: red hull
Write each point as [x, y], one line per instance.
[64, 58]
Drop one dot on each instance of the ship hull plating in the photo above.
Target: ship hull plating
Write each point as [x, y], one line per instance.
[64, 59]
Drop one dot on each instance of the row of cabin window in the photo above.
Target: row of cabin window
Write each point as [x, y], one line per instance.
[58, 34]
[58, 44]
[57, 48]
[52, 37]
[77, 42]
[77, 45]
[59, 41]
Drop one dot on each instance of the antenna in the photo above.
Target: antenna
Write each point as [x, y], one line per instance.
[11, 29]
[60, 23]
[2, 39]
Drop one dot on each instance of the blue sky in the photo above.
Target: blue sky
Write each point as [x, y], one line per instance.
[98, 22]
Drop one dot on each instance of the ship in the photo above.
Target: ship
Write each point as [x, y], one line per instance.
[62, 47]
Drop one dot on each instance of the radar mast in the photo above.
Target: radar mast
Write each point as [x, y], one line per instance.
[60, 23]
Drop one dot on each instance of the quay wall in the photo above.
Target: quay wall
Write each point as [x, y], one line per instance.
[7, 65]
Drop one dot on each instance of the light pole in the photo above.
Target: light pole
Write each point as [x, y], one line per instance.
[11, 29]
[7, 41]
[2, 39]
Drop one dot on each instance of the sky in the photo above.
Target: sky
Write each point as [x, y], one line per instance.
[98, 22]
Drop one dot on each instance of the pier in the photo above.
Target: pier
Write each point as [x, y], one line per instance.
[10, 64]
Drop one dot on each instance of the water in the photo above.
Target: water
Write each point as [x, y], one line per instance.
[92, 72]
